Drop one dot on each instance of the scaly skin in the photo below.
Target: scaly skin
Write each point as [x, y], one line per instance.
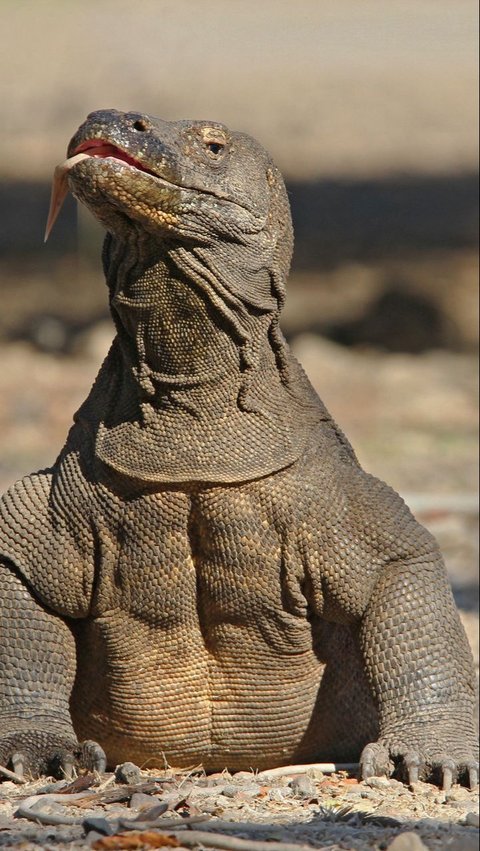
[206, 574]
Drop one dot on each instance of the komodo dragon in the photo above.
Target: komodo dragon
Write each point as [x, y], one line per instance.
[206, 574]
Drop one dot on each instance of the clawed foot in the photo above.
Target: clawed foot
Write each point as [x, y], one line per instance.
[40, 752]
[430, 763]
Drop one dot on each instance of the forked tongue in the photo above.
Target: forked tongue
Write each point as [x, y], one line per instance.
[60, 190]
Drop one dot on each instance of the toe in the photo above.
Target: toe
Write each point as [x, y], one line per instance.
[93, 756]
[412, 764]
[448, 772]
[375, 761]
[18, 763]
[472, 774]
[67, 765]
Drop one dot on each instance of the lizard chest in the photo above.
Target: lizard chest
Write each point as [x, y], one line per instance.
[208, 559]
[201, 597]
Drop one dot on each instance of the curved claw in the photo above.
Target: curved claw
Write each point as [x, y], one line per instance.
[367, 763]
[100, 762]
[368, 769]
[472, 771]
[67, 766]
[447, 769]
[18, 763]
[412, 764]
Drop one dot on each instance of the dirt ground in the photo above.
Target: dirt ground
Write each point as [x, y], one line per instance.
[312, 809]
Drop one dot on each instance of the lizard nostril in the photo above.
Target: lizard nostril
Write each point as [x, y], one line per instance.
[140, 125]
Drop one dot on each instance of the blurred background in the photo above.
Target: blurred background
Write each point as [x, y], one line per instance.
[370, 110]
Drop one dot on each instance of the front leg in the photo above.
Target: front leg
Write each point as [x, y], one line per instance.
[372, 566]
[37, 670]
[420, 668]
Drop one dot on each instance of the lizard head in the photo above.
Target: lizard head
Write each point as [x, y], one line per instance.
[186, 182]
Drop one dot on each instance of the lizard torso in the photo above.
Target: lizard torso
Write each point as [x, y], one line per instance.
[206, 574]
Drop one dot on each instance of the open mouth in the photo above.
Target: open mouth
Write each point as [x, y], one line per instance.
[102, 149]
[97, 148]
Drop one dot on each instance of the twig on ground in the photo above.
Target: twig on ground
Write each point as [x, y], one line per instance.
[324, 767]
[45, 818]
[232, 843]
[160, 824]
[10, 775]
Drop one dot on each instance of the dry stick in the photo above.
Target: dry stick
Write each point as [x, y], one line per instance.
[160, 824]
[126, 824]
[45, 818]
[231, 843]
[324, 767]
[10, 775]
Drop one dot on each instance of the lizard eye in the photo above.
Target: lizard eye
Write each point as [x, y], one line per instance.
[215, 148]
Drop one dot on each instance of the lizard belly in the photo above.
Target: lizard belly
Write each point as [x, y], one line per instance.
[193, 655]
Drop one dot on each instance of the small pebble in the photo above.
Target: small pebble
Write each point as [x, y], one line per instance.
[141, 801]
[91, 837]
[472, 819]
[396, 784]
[128, 773]
[50, 787]
[303, 786]
[458, 793]
[152, 813]
[465, 843]
[99, 825]
[378, 782]
[278, 795]
[243, 775]
[420, 788]
[408, 841]
[230, 791]
[316, 774]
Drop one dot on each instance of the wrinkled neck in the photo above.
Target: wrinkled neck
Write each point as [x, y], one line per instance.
[172, 334]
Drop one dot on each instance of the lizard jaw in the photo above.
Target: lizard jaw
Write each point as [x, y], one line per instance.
[98, 148]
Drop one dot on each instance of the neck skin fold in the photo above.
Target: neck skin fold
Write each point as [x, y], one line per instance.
[175, 332]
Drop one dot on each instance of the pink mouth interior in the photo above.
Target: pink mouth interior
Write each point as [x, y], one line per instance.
[100, 148]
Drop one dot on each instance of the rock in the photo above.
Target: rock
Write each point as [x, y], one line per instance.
[50, 787]
[316, 774]
[152, 813]
[141, 801]
[458, 793]
[465, 843]
[408, 841]
[127, 773]
[98, 825]
[472, 819]
[279, 795]
[303, 786]
[421, 788]
[378, 783]
[397, 785]
[230, 791]
[91, 837]
[242, 792]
